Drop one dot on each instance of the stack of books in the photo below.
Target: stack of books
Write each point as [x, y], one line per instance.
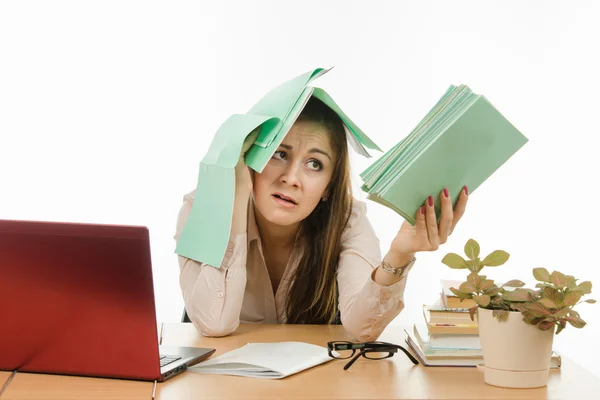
[448, 337]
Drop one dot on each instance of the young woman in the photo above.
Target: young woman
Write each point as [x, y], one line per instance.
[301, 249]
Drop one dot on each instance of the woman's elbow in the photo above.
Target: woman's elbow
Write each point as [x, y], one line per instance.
[214, 328]
[361, 332]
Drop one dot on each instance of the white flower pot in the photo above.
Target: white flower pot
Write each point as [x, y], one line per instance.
[516, 354]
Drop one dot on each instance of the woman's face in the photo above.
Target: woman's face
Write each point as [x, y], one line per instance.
[296, 178]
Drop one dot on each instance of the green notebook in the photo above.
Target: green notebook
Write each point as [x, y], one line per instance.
[206, 233]
[461, 141]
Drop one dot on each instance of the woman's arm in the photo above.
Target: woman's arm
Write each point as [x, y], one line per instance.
[368, 300]
[213, 296]
[367, 308]
[396, 260]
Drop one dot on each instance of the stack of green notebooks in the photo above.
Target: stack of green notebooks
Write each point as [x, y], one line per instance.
[460, 142]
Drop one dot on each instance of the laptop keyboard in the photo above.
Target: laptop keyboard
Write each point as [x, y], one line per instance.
[166, 360]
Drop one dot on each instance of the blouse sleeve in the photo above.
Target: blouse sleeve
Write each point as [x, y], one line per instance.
[366, 307]
[213, 296]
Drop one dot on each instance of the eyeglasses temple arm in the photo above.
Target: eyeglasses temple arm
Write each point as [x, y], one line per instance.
[410, 356]
[353, 360]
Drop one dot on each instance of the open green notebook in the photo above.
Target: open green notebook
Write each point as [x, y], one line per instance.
[206, 232]
[461, 141]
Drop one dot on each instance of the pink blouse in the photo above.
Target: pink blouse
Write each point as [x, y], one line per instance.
[218, 299]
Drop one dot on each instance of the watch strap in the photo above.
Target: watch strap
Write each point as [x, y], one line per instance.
[397, 271]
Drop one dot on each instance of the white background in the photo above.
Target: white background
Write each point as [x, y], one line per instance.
[107, 107]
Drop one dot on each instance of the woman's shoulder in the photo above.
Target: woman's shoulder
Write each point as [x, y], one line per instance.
[358, 220]
[359, 208]
[359, 235]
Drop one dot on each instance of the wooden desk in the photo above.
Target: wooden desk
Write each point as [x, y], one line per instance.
[4, 376]
[394, 378]
[367, 379]
[61, 387]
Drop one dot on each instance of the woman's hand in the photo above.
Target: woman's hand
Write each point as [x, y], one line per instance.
[427, 234]
[243, 175]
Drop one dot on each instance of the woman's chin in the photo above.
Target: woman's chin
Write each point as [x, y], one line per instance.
[282, 219]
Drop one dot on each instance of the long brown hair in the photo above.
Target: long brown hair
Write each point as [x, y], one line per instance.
[312, 297]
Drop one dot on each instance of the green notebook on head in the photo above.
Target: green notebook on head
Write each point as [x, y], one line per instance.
[206, 233]
[460, 142]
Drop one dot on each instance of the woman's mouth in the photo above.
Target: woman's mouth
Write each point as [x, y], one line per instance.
[284, 201]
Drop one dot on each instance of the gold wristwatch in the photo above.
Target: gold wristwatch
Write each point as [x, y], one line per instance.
[398, 271]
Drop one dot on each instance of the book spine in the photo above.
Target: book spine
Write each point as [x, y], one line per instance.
[453, 329]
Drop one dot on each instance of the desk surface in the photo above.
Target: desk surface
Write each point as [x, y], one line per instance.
[392, 378]
[62, 387]
[395, 377]
[4, 375]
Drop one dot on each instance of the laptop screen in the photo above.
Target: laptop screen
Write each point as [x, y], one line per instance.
[77, 299]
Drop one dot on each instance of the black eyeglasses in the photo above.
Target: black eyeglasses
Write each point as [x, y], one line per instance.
[370, 350]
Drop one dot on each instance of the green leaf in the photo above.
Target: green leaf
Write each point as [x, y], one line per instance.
[543, 285]
[493, 291]
[471, 265]
[472, 312]
[537, 320]
[585, 287]
[472, 249]
[482, 300]
[467, 287]
[475, 280]
[558, 279]
[547, 303]
[537, 309]
[460, 294]
[590, 301]
[576, 322]
[561, 325]
[454, 261]
[545, 325]
[517, 295]
[520, 307]
[571, 282]
[563, 312]
[486, 284]
[514, 283]
[572, 298]
[496, 258]
[541, 274]
[553, 294]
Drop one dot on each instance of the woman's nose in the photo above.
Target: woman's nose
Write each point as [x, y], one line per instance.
[290, 174]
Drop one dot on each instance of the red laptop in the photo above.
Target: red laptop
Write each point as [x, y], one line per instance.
[78, 299]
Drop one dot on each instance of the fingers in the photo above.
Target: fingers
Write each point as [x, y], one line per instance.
[421, 227]
[250, 139]
[459, 208]
[447, 216]
[431, 223]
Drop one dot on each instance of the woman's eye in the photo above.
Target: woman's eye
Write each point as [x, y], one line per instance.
[315, 165]
[279, 155]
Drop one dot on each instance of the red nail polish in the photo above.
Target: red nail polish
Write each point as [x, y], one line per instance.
[446, 192]
[422, 209]
[430, 201]
[466, 190]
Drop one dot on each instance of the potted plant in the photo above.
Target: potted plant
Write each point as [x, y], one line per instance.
[517, 324]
